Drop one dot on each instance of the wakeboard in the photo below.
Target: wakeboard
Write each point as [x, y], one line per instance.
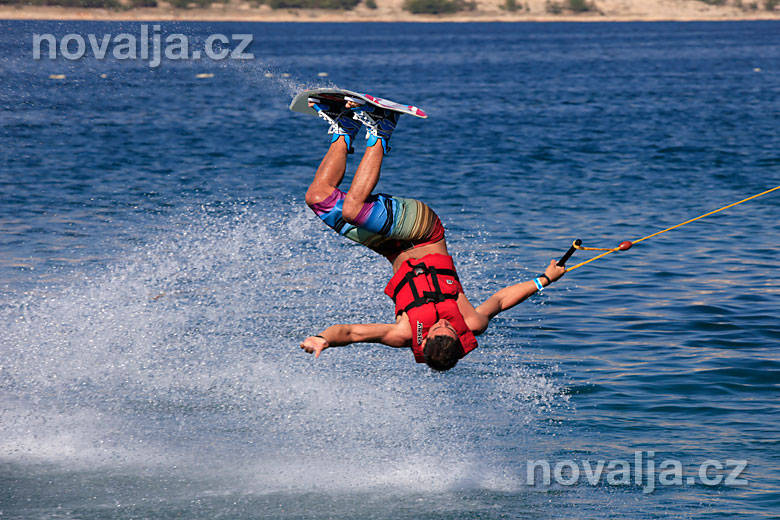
[300, 102]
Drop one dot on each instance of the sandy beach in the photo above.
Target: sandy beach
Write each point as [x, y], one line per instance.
[392, 11]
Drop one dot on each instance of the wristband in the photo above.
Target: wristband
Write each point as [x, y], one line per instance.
[546, 278]
[538, 284]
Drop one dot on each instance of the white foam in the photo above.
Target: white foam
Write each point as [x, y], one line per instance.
[184, 352]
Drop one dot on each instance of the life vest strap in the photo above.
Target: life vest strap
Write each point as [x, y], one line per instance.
[411, 275]
[428, 297]
[434, 296]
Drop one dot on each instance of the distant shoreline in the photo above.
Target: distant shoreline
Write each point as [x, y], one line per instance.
[489, 13]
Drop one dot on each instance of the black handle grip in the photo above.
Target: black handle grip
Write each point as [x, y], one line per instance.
[572, 249]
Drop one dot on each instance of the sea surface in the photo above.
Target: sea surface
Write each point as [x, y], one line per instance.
[158, 268]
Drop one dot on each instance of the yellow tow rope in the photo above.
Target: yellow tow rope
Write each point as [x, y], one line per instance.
[577, 244]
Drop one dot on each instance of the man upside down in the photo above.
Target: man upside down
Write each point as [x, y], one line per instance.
[433, 315]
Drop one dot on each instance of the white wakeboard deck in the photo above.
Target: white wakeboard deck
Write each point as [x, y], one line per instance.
[300, 102]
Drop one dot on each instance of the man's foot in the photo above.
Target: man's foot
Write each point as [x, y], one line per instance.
[379, 122]
[340, 118]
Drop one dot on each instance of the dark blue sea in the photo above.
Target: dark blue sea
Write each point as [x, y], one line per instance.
[158, 268]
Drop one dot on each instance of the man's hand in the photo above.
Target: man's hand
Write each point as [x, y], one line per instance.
[553, 271]
[314, 345]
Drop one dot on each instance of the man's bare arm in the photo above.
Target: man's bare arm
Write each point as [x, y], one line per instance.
[510, 296]
[391, 334]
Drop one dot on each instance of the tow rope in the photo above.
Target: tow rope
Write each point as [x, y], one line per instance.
[626, 245]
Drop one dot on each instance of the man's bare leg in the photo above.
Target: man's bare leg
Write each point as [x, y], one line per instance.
[363, 183]
[329, 174]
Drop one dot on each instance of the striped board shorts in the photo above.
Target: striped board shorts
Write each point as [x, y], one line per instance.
[386, 224]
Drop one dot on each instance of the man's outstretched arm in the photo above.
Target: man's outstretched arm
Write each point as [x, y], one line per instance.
[391, 334]
[510, 296]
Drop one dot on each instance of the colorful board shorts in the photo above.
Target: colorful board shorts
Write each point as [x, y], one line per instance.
[386, 224]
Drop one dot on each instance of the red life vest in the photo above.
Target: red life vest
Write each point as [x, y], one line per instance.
[427, 289]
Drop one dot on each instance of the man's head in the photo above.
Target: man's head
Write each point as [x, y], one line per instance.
[442, 348]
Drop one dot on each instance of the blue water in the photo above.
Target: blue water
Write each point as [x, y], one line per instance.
[158, 267]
